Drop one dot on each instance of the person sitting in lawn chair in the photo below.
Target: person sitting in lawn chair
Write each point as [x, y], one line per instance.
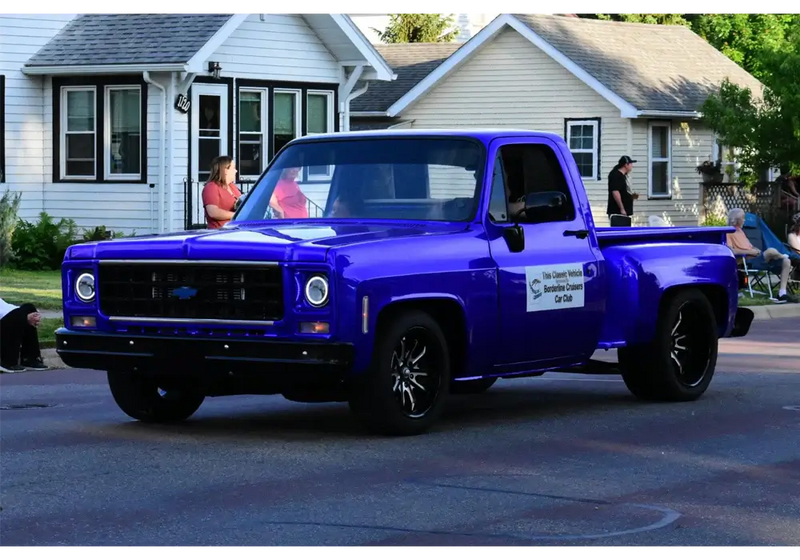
[793, 243]
[793, 239]
[741, 246]
[18, 336]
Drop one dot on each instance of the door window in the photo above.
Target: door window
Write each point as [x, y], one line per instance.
[210, 134]
[525, 169]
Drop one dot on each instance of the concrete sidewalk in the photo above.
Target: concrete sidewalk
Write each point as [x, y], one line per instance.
[50, 314]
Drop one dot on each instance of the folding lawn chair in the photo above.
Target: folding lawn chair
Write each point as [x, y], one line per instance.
[757, 270]
[794, 274]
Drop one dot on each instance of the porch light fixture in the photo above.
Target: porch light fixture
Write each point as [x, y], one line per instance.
[215, 69]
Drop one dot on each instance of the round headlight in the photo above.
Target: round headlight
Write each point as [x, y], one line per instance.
[84, 287]
[317, 291]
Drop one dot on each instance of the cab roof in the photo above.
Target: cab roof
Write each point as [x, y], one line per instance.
[483, 134]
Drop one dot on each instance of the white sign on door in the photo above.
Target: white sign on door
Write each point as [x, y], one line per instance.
[556, 286]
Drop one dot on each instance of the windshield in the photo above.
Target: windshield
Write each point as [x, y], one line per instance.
[370, 178]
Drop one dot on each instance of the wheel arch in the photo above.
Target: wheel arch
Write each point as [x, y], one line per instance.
[448, 311]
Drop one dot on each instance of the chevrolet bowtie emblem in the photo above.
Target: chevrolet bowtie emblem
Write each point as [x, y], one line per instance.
[184, 292]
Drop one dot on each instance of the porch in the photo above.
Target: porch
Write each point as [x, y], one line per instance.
[134, 130]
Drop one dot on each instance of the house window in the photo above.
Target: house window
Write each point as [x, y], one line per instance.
[660, 176]
[2, 129]
[78, 132]
[252, 131]
[123, 129]
[319, 120]
[583, 139]
[286, 117]
[728, 157]
[99, 129]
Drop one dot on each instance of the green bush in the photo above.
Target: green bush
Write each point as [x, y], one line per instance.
[9, 205]
[41, 246]
[715, 221]
[100, 233]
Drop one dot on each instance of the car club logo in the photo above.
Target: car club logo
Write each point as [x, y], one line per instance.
[536, 290]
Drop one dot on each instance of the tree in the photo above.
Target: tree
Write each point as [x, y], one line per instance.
[767, 130]
[9, 205]
[418, 28]
[748, 38]
[659, 19]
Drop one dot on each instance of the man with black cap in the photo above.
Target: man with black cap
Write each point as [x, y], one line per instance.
[620, 199]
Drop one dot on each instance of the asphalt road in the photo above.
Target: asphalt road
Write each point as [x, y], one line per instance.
[562, 459]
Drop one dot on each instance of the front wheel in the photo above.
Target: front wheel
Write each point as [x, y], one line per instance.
[406, 386]
[679, 363]
[151, 400]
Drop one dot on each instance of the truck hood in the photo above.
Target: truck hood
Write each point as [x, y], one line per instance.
[280, 242]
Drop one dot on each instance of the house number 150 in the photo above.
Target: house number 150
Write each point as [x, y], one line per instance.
[182, 103]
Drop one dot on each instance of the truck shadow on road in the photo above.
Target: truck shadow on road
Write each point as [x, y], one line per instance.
[330, 421]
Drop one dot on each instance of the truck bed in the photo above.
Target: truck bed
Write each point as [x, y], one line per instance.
[610, 236]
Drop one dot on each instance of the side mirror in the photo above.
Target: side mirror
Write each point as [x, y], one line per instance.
[546, 206]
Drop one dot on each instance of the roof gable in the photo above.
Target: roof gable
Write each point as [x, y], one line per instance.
[412, 62]
[652, 67]
[641, 69]
[100, 39]
[103, 43]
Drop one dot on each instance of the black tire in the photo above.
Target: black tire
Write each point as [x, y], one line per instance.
[390, 398]
[472, 387]
[141, 398]
[679, 363]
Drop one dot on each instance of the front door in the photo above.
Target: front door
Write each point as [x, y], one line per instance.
[551, 293]
[209, 139]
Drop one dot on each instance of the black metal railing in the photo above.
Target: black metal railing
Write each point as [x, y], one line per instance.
[210, 290]
[195, 217]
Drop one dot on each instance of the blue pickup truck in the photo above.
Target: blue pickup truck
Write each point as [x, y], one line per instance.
[439, 262]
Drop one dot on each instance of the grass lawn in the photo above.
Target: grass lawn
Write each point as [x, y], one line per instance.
[748, 301]
[42, 289]
[47, 337]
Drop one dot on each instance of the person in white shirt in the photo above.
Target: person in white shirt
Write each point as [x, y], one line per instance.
[19, 338]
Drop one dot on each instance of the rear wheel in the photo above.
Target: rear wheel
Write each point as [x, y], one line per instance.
[154, 400]
[679, 363]
[404, 391]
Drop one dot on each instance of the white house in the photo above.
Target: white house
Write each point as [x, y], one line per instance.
[113, 119]
[608, 88]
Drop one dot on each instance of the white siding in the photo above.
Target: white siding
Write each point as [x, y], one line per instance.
[282, 47]
[125, 208]
[29, 141]
[691, 145]
[512, 84]
[27, 144]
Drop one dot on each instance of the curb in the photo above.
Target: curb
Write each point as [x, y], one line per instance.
[51, 359]
[775, 311]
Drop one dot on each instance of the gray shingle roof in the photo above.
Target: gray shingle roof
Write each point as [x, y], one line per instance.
[411, 62]
[372, 123]
[96, 39]
[652, 67]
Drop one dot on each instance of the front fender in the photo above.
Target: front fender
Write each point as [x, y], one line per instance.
[640, 276]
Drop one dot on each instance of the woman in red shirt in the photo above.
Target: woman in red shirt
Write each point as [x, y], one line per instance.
[220, 194]
[288, 201]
